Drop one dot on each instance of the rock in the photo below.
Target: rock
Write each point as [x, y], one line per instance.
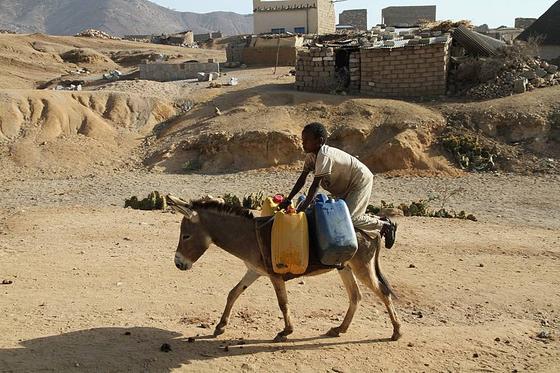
[190, 340]
[552, 69]
[520, 85]
[475, 355]
[497, 339]
[247, 368]
[540, 72]
[411, 266]
[544, 335]
[204, 326]
[7, 282]
[529, 74]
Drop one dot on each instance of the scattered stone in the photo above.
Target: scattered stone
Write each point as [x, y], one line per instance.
[217, 111]
[191, 340]
[481, 265]
[544, 335]
[165, 347]
[411, 266]
[475, 355]
[7, 282]
[410, 344]
[204, 326]
[127, 333]
[246, 367]
[497, 339]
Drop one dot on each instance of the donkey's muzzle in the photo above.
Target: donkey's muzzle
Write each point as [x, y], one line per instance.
[182, 263]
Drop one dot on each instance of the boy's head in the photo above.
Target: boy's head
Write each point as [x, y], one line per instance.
[314, 136]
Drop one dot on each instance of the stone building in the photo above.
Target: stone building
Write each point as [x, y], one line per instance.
[357, 18]
[403, 68]
[407, 16]
[295, 16]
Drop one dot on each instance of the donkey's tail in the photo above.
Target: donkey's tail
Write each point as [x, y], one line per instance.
[383, 283]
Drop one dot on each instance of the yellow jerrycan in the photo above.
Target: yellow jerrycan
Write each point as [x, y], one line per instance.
[290, 243]
[270, 205]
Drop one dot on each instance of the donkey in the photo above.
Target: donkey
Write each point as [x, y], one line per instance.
[236, 230]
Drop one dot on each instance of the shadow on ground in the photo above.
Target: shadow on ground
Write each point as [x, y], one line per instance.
[138, 349]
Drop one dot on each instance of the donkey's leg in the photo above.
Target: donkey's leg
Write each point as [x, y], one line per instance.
[366, 274]
[355, 297]
[245, 282]
[280, 288]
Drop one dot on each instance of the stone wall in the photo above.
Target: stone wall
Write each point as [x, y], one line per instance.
[407, 15]
[355, 17]
[164, 72]
[315, 70]
[419, 70]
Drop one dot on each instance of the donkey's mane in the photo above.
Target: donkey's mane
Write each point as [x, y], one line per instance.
[222, 207]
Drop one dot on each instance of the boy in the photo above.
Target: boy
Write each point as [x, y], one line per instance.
[342, 175]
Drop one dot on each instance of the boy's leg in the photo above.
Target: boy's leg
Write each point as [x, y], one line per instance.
[357, 201]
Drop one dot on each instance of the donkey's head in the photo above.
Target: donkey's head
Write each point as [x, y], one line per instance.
[193, 240]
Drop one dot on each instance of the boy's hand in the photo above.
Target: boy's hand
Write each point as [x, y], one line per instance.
[284, 204]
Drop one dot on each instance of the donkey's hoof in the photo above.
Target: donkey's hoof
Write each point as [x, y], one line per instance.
[334, 332]
[219, 331]
[280, 338]
[396, 335]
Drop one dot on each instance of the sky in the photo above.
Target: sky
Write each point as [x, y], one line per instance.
[495, 13]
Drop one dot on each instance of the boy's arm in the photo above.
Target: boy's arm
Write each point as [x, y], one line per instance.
[299, 184]
[311, 194]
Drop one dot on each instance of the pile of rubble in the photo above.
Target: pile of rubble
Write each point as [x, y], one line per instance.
[382, 37]
[514, 78]
[7, 32]
[91, 33]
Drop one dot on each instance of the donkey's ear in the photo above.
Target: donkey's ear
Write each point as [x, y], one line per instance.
[180, 206]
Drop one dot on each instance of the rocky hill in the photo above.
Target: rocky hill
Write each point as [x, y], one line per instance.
[118, 17]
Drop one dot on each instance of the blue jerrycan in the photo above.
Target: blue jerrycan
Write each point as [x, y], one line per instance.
[334, 232]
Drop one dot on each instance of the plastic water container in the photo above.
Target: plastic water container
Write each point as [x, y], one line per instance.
[334, 232]
[290, 243]
[270, 205]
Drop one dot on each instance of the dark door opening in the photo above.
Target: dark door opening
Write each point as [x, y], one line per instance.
[342, 69]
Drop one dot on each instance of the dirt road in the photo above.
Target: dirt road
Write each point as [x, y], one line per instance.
[94, 287]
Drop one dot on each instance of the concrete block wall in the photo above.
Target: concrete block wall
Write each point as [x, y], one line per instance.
[234, 52]
[315, 70]
[410, 71]
[165, 72]
[355, 72]
[354, 17]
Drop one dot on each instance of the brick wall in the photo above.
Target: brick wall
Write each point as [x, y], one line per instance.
[355, 17]
[164, 72]
[419, 70]
[315, 70]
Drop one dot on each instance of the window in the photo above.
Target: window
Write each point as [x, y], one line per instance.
[278, 31]
[299, 30]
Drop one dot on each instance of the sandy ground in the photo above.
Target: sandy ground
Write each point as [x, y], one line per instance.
[95, 288]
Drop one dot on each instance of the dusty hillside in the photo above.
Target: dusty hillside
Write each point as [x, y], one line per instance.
[119, 17]
[28, 61]
[75, 131]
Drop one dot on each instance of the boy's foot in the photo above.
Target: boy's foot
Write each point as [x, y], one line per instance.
[389, 232]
